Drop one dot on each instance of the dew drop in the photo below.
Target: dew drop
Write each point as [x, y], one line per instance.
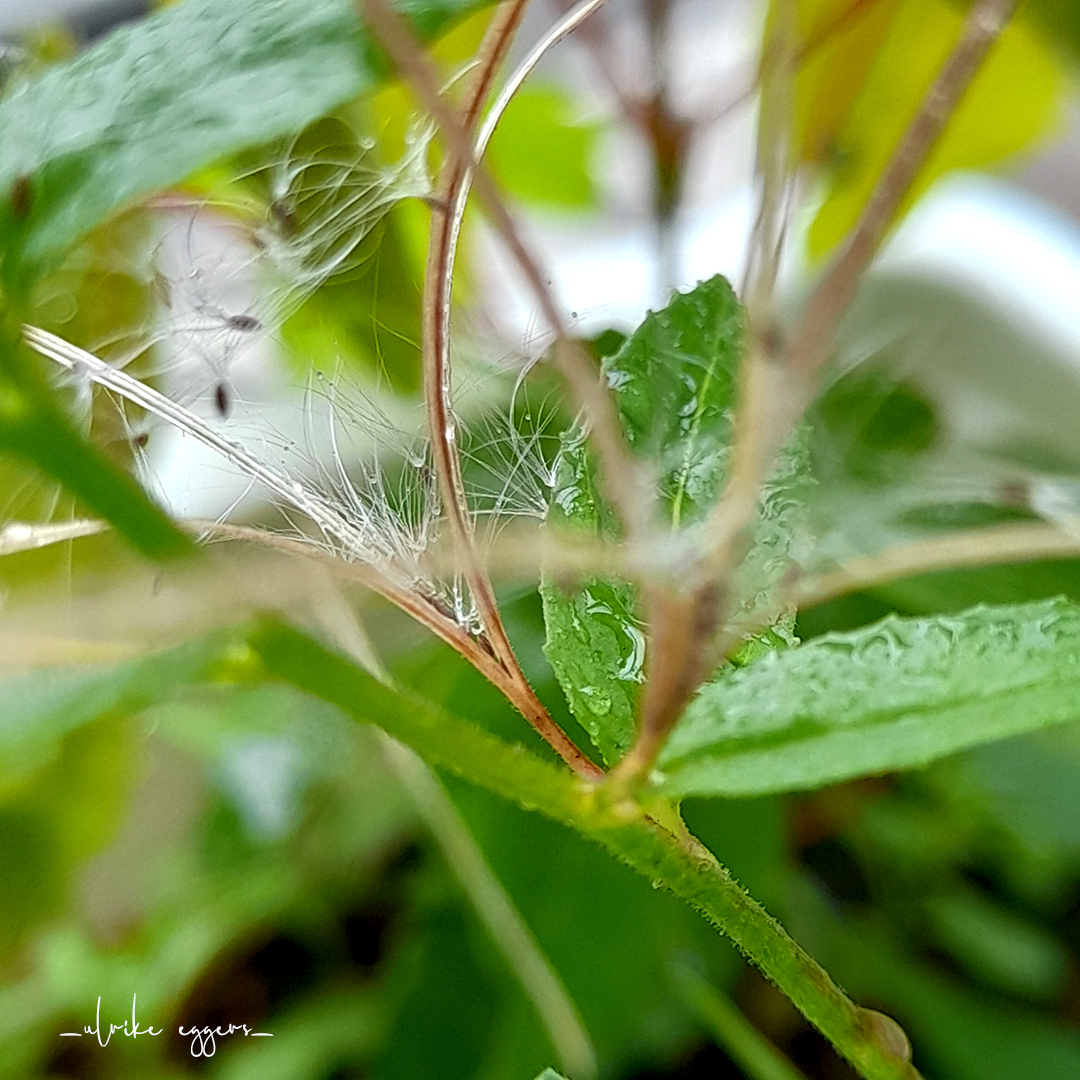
[597, 701]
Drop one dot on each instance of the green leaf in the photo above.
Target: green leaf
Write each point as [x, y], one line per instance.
[540, 154]
[157, 100]
[67, 765]
[896, 695]
[998, 946]
[34, 429]
[858, 91]
[38, 709]
[550, 1074]
[674, 381]
[1060, 22]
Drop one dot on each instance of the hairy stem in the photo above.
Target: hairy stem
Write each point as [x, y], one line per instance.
[871, 1042]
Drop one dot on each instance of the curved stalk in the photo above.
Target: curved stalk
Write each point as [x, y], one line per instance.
[621, 474]
[436, 349]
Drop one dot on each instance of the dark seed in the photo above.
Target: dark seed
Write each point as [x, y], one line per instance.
[221, 399]
[246, 323]
[20, 197]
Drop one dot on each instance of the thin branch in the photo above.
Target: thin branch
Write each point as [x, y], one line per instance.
[19, 536]
[453, 194]
[812, 340]
[430, 615]
[621, 474]
[843, 20]
[438, 286]
[1000, 544]
[436, 348]
[775, 165]
[781, 385]
[683, 622]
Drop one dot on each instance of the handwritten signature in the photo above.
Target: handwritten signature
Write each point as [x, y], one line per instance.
[203, 1039]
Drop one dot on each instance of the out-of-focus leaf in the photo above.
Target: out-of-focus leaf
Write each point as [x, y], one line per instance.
[38, 709]
[58, 817]
[863, 80]
[550, 1074]
[1060, 21]
[674, 383]
[958, 1033]
[313, 1039]
[999, 947]
[159, 99]
[895, 695]
[34, 429]
[541, 155]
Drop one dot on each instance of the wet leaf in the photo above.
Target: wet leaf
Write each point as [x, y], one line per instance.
[895, 695]
[674, 381]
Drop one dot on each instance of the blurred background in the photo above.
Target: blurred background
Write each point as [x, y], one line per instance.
[247, 855]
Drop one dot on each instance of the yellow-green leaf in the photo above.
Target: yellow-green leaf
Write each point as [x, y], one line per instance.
[863, 81]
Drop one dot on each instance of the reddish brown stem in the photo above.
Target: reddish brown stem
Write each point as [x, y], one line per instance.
[437, 389]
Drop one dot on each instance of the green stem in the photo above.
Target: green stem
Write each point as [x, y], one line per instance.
[867, 1039]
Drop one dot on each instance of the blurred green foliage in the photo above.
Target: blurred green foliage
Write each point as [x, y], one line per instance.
[180, 827]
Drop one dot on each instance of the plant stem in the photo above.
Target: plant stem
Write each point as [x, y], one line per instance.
[867, 1039]
[813, 337]
[1010, 543]
[438, 289]
[436, 349]
[782, 383]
